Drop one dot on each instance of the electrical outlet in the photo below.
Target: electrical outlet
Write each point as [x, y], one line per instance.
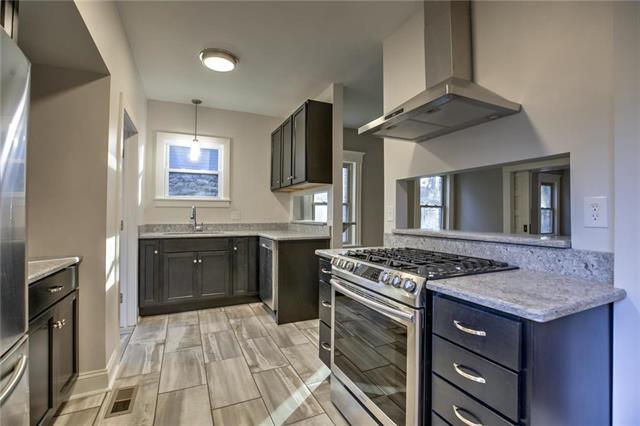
[596, 212]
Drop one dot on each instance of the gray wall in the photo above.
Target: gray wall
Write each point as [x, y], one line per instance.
[478, 201]
[372, 184]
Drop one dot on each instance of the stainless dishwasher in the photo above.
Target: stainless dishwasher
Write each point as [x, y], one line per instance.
[269, 273]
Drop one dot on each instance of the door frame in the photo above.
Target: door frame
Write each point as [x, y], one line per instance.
[127, 223]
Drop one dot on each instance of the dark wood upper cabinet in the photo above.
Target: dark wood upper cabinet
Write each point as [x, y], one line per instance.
[9, 17]
[305, 148]
[276, 159]
[287, 153]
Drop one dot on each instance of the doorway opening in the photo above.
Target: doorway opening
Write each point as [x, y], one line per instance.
[127, 231]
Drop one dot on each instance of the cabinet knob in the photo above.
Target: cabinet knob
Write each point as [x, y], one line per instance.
[195, 261]
[155, 252]
[199, 260]
[235, 249]
[59, 324]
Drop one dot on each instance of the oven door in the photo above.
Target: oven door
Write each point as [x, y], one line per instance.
[376, 352]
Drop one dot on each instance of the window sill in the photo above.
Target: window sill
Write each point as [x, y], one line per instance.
[198, 202]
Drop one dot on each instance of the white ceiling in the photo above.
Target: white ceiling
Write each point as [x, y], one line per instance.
[288, 51]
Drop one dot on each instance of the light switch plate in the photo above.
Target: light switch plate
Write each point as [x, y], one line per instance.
[596, 212]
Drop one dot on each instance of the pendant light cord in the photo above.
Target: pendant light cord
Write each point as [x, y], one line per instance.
[195, 130]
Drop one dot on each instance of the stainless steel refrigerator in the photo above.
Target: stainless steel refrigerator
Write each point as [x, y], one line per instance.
[14, 105]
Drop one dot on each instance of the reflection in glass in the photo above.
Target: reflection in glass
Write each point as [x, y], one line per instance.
[371, 350]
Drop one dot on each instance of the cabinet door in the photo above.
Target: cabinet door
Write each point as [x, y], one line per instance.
[244, 266]
[287, 153]
[215, 273]
[40, 377]
[300, 145]
[179, 276]
[64, 345]
[276, 159]
[149, 263]
[240, 275]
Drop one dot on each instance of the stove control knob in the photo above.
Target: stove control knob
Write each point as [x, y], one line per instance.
[396, 282]
[409, 285]
[334, 261]
[341, 263]
[384, 278]
[350, 266]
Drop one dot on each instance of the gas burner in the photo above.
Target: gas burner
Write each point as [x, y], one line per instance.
[428, 264]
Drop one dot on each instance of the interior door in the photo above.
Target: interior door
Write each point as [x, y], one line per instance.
[276, 159]
[179, 276]
[300, 145]
[287, 153]
[214, 273]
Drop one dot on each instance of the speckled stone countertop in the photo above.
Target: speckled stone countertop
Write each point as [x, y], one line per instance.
[533, 295]
[38, 269]
[276, 235]
[493, 237]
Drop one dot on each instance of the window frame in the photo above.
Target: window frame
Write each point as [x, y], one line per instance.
[442, 206]
[166, 139]
[355, 159]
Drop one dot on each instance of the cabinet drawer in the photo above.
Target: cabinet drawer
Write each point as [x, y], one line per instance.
[459, 409]
[325, 344]
[490, 383]
[195, 244]
[49, 290]
[324, 304]
[324, 270]
[493, 336]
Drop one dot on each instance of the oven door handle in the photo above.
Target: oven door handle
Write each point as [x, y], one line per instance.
[372, 304]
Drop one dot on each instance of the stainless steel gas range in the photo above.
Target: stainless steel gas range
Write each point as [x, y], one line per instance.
[380, 309]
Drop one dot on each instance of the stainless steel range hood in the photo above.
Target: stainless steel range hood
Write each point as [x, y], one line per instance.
[452, 101]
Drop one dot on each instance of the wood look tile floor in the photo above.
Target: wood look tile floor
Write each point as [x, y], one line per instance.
[224, 366]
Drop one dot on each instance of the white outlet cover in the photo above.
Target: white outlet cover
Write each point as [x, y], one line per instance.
[596, 212]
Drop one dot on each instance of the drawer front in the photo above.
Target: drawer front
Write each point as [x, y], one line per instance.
[324, 304]
[495, 337]
[459, 409]
[178, 245]
[324, 271]
[49, 290]
[325, 344]
[492, 384]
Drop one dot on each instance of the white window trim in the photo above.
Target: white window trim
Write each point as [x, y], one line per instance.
[356, 158]
[163, 139]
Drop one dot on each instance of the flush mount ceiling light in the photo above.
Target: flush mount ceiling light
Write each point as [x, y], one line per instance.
[218, 60]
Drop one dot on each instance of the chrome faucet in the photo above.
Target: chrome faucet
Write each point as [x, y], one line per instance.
[196, 227]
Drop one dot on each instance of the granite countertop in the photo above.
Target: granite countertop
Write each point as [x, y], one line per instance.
[551, 241]
[276, 235]
[537, 296]
[38, 269]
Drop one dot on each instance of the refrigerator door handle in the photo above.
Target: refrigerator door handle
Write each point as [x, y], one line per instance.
[18, 372]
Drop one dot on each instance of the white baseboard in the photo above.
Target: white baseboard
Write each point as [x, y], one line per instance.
[94, 382]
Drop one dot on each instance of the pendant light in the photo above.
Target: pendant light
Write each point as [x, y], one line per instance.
[194, 153]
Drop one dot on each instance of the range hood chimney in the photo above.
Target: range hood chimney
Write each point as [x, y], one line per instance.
[452, 101]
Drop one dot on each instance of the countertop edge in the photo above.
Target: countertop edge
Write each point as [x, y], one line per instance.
[486, 238]
[231, 234]
[536, 315]
[64, 262]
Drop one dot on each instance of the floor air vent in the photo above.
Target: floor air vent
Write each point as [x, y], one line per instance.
[122, 401]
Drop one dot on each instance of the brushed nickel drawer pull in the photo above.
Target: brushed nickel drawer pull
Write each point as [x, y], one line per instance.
[55, 289]
[461, 327]
[325, 346]
[326, 271]
[460, 371]
[325, 304]
[463, 419]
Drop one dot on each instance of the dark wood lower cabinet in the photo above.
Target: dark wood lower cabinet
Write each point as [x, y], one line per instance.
[53, 348]
[185, 274]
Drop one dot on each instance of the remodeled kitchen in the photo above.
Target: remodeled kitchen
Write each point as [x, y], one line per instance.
[319, 213]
